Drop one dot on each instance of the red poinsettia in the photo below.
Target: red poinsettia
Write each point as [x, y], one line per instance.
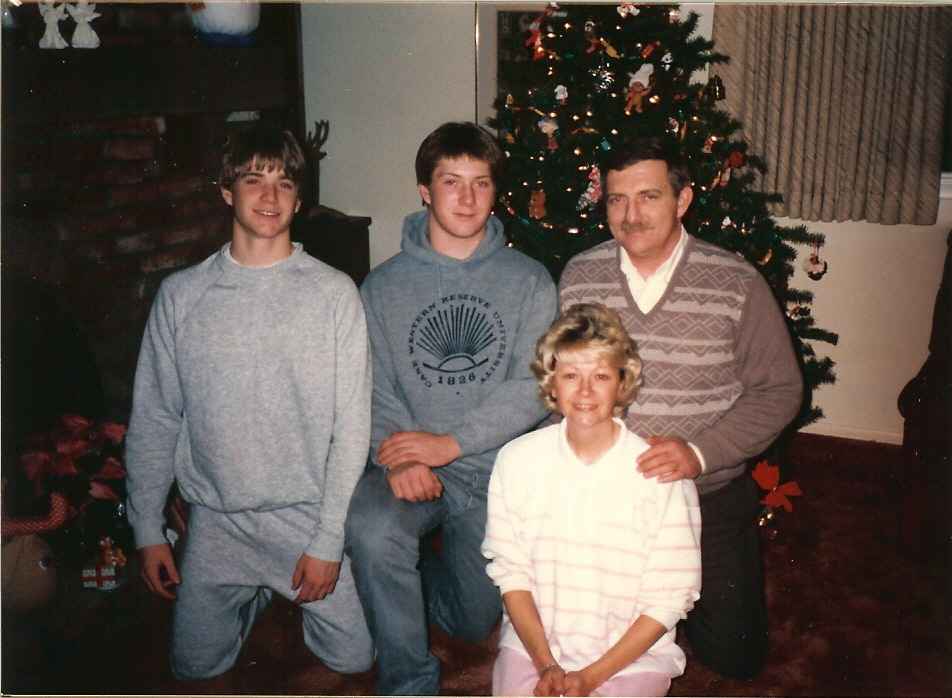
[78, 458]
[113, 431]
[768, 477]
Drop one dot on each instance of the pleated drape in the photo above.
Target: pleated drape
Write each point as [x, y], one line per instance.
[845, 104]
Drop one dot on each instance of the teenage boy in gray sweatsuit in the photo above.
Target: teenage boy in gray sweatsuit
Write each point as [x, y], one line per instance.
[453, 320]
[253, 392]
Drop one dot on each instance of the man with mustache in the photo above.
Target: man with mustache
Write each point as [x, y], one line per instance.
[720, 379]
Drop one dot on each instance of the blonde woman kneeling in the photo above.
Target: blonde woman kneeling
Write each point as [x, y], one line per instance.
[595, 562]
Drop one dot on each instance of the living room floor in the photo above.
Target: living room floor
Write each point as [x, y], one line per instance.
[857, 585]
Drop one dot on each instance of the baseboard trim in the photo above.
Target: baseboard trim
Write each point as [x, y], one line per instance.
[854, 434]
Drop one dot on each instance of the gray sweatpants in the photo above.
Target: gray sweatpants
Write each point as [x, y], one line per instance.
[231, 565]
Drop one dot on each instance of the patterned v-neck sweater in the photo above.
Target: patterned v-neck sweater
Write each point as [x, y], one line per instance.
[718, 364]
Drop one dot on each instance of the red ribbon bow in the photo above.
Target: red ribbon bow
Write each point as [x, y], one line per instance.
[768, 477]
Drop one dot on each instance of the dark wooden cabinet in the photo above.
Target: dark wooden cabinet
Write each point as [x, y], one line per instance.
[340, 240]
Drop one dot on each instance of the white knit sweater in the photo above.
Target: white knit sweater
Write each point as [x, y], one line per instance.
[597, 546]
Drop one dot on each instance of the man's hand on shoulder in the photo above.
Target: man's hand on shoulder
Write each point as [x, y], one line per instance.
[669, 458]
[158, 570]
[314, 578]
[432, 450]
[414, 482]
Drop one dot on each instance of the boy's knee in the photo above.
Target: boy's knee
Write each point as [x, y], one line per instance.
[375, 534]
[192, 666]
[351, 664]
[350, 655]
[479, 629]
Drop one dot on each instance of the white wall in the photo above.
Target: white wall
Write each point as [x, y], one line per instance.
[878, 294]
[386, 74]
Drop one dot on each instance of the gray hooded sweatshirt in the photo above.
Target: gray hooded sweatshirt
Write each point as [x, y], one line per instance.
[253, 392]
[453, 341]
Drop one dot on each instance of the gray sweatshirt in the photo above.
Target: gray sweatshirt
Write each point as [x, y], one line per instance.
[453, 340]
[253, 392]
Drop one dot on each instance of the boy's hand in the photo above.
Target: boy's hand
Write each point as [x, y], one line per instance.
[669, 459]
[158, 570]
[414, 482]
[403, 447]
[314, 577]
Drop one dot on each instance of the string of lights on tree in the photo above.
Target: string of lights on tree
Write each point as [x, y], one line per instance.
[593, 76]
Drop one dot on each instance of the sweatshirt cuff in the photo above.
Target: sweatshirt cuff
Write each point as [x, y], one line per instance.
[467, 441]
[149, 534]
[700, 457]
[326, 546]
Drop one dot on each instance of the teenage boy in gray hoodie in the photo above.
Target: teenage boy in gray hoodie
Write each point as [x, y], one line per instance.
[453, 321]
[253, 393]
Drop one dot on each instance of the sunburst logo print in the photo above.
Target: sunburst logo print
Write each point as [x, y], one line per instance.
[455, 338]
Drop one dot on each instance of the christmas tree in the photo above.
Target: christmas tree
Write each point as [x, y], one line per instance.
[587, 77]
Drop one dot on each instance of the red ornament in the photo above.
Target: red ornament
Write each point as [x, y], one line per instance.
[736, 159]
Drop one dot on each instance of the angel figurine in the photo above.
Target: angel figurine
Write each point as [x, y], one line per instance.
[83, 13]
[52, 15]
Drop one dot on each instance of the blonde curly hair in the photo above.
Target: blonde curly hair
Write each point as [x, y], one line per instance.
[587, 327]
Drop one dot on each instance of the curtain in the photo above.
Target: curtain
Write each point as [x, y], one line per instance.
[844, 103]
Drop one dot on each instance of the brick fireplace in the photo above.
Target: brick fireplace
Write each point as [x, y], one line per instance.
[109, 161]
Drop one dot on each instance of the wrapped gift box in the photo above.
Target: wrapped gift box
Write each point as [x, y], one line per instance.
[102, 577]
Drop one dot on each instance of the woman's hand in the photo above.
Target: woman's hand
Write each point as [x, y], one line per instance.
[551, 682]
[577, 683]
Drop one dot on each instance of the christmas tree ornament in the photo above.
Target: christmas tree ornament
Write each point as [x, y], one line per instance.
[609, 49]
[649, 49]
[666, 60]
[591, 37]
[639, 87]
[628, 9]
[593, 193]
[636, 97]
[549, 127]
[674, 15]
[537, 204]
[534, 40]
[766, 258]
[798, 311]
[727, 222]
[708, 146]
[605, 145]
[814, 266]
[603, 79]
[736, 159]
[561, 94]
